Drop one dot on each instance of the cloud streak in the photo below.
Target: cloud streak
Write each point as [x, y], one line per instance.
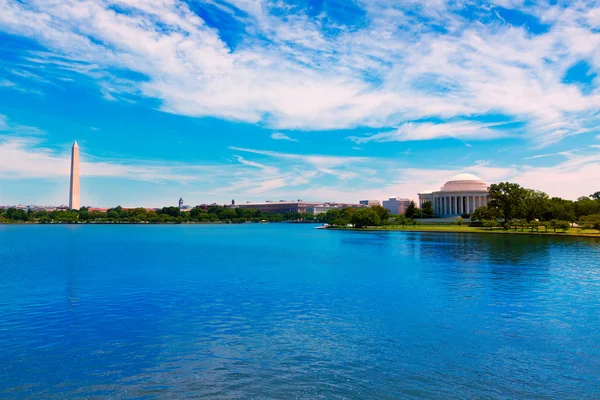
[281, 136]
[428, 131]
[287, 71]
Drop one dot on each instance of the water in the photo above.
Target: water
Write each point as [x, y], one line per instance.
[288, 311]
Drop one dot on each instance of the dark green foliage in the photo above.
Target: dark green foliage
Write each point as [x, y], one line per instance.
[427, 209]
[117, 214]
[532, 204]
[15, 214]
[590, 222]
[365, 217]
[559, 209]
[507, 198]
[485, 213]
[383, 213]
[411, 210]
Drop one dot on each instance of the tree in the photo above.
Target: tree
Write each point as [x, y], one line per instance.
[227, 214]
[507, 198]
[427, 209]
[382, 212]
[586, 206]
[171, 211]
[365, 217]
[590, 222]
[401, 220]
[410, 210]
[113, 215]
[595, 196]
[561, 225]
[15, 214]
[196, 212]
[485, 213]
[559, 209]
[533, 204]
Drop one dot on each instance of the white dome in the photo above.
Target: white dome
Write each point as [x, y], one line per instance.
[465, 177]
[465, 183]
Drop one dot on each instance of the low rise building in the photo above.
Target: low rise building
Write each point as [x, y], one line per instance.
[396, 205]
[370, 203]
[281, 206]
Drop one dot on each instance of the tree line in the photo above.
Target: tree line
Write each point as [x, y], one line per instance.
[511, 205]
[214, 214]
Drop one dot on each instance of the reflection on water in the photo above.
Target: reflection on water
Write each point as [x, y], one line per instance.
[286, 311]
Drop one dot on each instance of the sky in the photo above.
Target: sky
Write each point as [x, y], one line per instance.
[325, 100]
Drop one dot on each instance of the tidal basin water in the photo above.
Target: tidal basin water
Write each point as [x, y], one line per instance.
[288, 311]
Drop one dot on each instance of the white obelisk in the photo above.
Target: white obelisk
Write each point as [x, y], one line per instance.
[74, 193]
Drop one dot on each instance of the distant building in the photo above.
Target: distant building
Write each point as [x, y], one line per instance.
[281, 206]
[323, 208]
[460, 195]
[370, 203]
[100, 209]
[396, 205]
[181, 202]
[299, 206]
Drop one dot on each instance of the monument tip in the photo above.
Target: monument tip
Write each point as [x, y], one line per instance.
[75, 144]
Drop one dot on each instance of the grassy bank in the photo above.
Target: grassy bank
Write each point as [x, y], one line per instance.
[470, 229]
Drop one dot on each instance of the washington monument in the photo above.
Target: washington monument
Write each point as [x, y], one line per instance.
[74, 193]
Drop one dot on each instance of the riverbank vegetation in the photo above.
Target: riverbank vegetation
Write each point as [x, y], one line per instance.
[166, 215]
[511, 208]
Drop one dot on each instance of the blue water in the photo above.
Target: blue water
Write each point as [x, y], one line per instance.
[288, 311]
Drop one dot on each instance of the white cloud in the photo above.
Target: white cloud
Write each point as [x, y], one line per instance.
[7, 127]
[26, 158]
[427, 131]
[318, 161]
[281, 136]
[288, 73]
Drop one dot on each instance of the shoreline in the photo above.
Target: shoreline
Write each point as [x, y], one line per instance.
[156, 223]
[416, 228]
[466, 230]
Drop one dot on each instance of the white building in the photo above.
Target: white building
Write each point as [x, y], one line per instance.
[460, 195]
[396, 205]
[370, 203]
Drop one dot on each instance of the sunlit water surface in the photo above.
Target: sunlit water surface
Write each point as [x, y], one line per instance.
[288, 311]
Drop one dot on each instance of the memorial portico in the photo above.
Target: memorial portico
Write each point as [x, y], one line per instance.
[461, 195]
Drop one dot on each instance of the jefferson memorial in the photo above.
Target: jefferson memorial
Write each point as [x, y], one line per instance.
[460, 195]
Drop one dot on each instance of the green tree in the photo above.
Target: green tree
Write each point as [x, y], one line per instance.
[401, 220]
[15, 214]
[595, 196]
[427, 209]
[170, 211]
[586, 206]
[590, 222]
[507, 198]
[365, 217]
[533, 204]
[382, 212]
[410, 210]
[227, 215]
[485, 213]
[559, 209]
[197, 212]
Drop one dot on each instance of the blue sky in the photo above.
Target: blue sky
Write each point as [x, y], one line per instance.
[323, 100]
